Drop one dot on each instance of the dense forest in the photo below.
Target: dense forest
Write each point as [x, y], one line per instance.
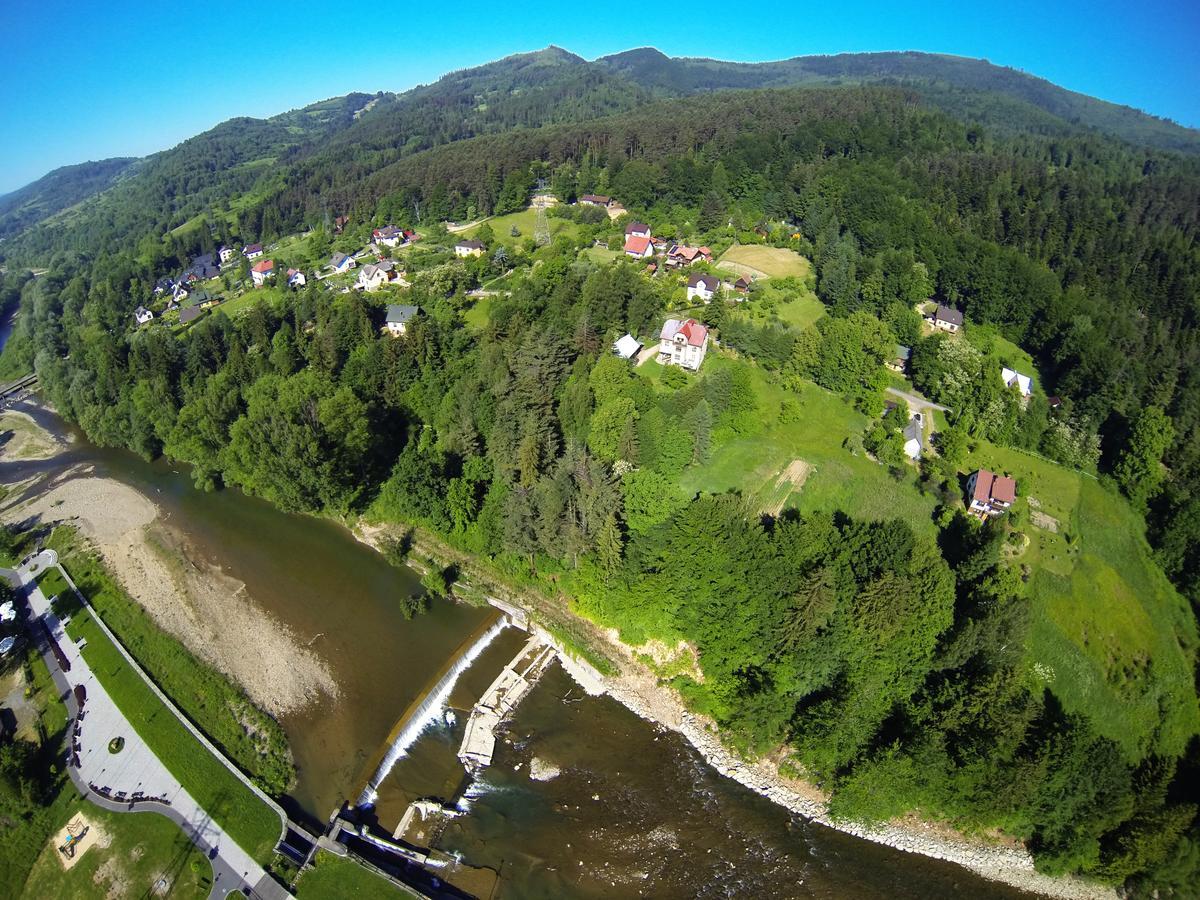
[890, 660]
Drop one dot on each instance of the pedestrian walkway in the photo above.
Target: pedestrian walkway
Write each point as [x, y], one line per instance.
[133, 779]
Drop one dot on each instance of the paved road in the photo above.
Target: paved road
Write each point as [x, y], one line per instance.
[916, 402]
[135, 768]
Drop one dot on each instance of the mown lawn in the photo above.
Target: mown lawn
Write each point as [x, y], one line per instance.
[751, 463]
[333, 877]
[1102, 610]
[214, 703]
[233, 806]
[601, 255]
[476, 317]
[525, 220]
[143, 849]
[770, 261]
[797, 312]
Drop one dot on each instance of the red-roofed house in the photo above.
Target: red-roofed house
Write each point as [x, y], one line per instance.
[680, 255]
[261, 271]
[989, 494]
[638, 247]
[683, 344]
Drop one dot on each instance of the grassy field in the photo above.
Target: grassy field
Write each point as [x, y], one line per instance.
[144, 850]
[794, 311]
[525, 220]
[771, 262]
[601, 255]
[838, 480]
[213, 702]
[333, 877]
[1102, 610]
[476, 317]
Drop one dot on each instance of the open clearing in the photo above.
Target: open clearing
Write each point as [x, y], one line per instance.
[760, 261]
[790, 480]
[525, 220]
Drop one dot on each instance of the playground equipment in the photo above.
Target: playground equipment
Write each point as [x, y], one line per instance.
[75, 834]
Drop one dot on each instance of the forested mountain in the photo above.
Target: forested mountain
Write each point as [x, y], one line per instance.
[57, 191]
[890, 653]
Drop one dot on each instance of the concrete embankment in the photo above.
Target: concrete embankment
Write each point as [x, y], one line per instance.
[499, 700]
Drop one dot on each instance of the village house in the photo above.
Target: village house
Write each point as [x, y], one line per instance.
[637, 229]
[989, 494]
[741, 286]
[262, 271]
[164, 284]
[639, 247]
[374, 276]
[914, 437]
[627, 346]
[703, 287]
[340, 263]
[469, 247]
[946, 319]
[683, 344]
[142, 315]
[398, 317]
[203, 300]
[295, 278]
[1023, 383]
[226, 254]
[388, 236]
[900, 357]
[679, 255]
[596, 200]
[179, 292]
[253, 251]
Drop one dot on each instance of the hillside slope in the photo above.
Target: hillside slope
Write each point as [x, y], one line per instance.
[57, 191]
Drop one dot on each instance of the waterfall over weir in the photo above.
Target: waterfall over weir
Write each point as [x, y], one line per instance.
[427, 707]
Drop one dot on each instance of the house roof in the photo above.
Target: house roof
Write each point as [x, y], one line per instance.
[263, 265]
[689, 253]
[637, 226]
[202, 261]
[637, 245]
[253, 248]
[141, 311]
[387, 231]
[708, 282]
[595, 198]
[693, 332]
[338, 258]
[470, 244]
[1023, 382]
[399, 313]
[742, 284]
[990, 486]
[946, 314]
[627, 346]
[913, 432]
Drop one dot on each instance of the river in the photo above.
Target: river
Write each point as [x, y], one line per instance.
[634, 810]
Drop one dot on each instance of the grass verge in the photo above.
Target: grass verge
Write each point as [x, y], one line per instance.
[334, 877]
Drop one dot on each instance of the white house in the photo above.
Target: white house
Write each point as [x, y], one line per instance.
[596, 200]
[1023, 382]
[683, 344]
[340, 263]
[179, 292]
[295, 278]
[253, 251]
[703, 287]
[627, 346]
[947, 319]
[398, 317]
[262, 271]
[470, 247]
[372, 276]
[227, 253]
[914, 437]
[637, 229]
[388, 236]
[989, 494]
[142, 315]
[639, 246]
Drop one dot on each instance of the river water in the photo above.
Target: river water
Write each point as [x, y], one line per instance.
[634, 810]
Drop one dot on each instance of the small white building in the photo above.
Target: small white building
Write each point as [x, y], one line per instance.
[703, 287]
[340, 263]
[627, 346]
[914, 437]
[470, 247]
[637, 229]
[142, 315]
[946, 319]
[262, 272]
[1023, 383]
[295, 278]
[683, 344]
[398, 318]
[253, 251]
[388, 236]
[226, 254]
[639, 247]
[374, 276]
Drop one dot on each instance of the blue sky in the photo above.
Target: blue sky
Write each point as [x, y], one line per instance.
[88, 79]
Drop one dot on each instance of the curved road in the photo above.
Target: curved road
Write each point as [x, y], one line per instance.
[136, 768]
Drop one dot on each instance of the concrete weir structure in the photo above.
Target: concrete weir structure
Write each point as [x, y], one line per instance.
[499, 700]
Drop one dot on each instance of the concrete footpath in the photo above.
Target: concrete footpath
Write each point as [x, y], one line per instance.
[134, 779]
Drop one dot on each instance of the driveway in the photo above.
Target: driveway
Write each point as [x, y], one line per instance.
[916, 403]
[112, 780]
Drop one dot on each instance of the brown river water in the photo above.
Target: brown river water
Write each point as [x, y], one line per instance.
[633, 810]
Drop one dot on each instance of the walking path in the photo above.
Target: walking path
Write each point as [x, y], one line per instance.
[114, 780]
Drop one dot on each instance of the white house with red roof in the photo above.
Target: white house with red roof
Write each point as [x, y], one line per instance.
[682, 255]
[639, 246]
[683, 344]
[261, 271]
[388, 236]
[989, 494]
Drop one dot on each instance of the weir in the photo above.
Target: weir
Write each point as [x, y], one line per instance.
[428, 704]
